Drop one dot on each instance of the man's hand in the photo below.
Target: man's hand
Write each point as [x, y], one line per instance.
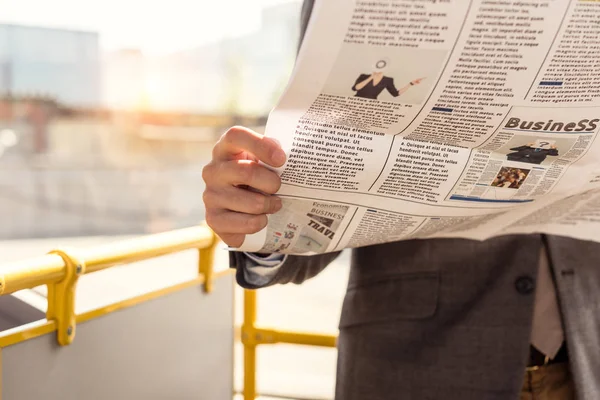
[239, 191]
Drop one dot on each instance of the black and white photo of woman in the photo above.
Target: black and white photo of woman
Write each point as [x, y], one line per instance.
[371, 86]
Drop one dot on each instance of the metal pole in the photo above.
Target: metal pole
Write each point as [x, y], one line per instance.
[206, 261]
[249, 345]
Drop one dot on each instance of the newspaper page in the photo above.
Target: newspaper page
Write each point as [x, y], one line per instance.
[409, 119]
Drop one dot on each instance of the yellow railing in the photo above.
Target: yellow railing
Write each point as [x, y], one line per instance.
[253, 336]
[61, 268]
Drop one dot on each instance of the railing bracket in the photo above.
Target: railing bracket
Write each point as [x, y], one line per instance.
[61, 297]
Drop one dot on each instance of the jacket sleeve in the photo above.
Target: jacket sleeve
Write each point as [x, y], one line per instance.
[391, 88]
[361, 78]
[520, 148]
[295, 269]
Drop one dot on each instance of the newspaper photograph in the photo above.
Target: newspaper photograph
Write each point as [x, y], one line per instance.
[408, 119]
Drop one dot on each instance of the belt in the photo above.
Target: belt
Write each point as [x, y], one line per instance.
[538, 359]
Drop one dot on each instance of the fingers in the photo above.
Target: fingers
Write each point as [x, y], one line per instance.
[232, 239]
[241, 172]
[232, 211]
[225, 222]
[238, 140]
[241, 200]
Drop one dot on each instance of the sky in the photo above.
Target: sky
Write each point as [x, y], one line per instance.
[153, 26]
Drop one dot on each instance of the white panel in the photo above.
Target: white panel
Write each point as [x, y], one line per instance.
[175, 347]
[15, 312]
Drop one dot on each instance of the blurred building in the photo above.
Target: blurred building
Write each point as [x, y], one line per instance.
[54, 63]
[114, 143]
[27, 120]
[124, 79]
[237, 75]
[240, 75]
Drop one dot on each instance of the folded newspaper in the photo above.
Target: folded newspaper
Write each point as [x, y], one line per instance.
[409, 119]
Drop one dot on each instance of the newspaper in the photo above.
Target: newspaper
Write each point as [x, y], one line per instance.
[409, 119]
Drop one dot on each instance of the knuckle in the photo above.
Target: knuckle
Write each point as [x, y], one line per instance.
[272, 183]
[207, 198]
[212, 221]
[216, 148]
[216, 173]
[246, 172]
[237, 128]
[260, 204]
[232, 134]
[207, 172]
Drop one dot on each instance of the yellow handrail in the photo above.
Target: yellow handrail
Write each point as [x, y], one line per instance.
[51, 268]
[61, 268]
[254, 336]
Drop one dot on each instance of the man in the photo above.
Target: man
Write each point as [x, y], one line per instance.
[530, 154]
[444, 319]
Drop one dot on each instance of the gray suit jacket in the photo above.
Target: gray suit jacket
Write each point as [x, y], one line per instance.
[451, 319]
